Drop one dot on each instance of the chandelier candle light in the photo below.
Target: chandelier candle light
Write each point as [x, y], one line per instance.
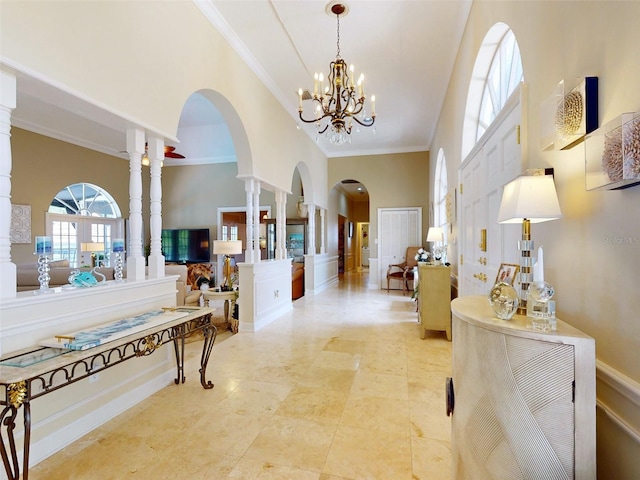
[338, 100]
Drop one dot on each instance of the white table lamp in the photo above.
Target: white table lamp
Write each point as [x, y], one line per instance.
[92, 247]
[227, 248]
[435, 234]
[528, 199]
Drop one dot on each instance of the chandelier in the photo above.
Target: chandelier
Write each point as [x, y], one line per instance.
[338, 101]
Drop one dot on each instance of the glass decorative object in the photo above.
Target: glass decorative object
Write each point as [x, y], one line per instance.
[541, 310]
[504, 300]
[118, 250]
[43, 250]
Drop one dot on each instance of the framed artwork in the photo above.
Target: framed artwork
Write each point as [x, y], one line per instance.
[20, 228]
[507, 273]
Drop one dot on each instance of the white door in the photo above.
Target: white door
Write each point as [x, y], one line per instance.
[398, 228]
[493, 162]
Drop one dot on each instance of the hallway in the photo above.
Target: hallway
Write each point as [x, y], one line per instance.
[341, 387]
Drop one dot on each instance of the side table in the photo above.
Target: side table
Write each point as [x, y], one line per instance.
[229, 303]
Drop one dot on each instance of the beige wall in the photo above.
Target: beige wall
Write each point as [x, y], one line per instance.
[43, 166]
[395, 180]
[592, 255]
[192, 195]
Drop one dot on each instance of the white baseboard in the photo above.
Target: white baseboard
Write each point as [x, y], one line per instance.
[626, 387]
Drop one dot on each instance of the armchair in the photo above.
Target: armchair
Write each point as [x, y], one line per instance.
[403, 271]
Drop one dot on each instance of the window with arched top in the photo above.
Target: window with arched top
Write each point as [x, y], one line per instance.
[496, 74]
[440, 191]
[79, 215]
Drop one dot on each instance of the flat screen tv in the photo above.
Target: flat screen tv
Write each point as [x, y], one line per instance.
[186, 245]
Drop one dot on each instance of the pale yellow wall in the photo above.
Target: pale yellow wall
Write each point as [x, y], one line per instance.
[43, 166]
[596, 278]
[395, 180]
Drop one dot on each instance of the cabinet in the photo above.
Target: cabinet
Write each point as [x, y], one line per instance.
[434, 299]
[523, 401]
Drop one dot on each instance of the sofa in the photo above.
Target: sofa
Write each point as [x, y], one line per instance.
[297, 280]
[59, 272]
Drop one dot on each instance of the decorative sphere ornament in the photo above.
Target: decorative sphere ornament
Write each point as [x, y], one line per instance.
[504, 300]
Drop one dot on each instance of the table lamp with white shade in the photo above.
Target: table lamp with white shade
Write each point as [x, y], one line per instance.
[227, 248]
[435, 235]
[92, 248]
[528, 199]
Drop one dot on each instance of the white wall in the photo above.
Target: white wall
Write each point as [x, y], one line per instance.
[592, 255]
[131, 73]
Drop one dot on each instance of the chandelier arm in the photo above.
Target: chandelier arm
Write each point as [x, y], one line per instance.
[314, 120]
[365, 123]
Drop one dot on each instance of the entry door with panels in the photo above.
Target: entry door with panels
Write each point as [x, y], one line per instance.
[398, 228]
[493, 162]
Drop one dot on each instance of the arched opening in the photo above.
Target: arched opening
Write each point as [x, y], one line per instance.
[352, 237]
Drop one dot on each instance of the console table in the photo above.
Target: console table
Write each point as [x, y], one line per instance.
[31, 373]
[434, 299]
[522, 401]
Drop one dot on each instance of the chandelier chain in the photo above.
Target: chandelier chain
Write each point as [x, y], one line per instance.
[338, 36]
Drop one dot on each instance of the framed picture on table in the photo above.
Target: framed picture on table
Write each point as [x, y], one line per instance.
[507, 273]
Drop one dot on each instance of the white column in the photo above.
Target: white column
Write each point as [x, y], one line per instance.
[281, 224]
[311, 230]
[156, 155]
[323, 224]
[249, 187]
[256, 223]
[8, 281]
[135, 257]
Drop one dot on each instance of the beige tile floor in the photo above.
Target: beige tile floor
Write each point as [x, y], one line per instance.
[342, 387]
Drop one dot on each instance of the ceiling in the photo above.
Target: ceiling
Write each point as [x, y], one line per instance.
[406, 49]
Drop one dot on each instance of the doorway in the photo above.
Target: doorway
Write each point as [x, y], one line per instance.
[363, 245]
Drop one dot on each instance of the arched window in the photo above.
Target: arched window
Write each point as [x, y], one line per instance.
[496, 73]
[79, 214]
[85, 199]
[440, 191]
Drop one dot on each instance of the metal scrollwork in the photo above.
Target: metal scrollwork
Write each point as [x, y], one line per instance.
[150, 346]
[16, 393]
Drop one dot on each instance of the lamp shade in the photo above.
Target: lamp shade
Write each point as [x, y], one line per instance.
[227, 247]
[92, 247]
[531, 197]
[435, 234]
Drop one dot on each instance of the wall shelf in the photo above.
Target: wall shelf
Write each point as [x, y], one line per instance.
[568, 114]
[612, 154]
